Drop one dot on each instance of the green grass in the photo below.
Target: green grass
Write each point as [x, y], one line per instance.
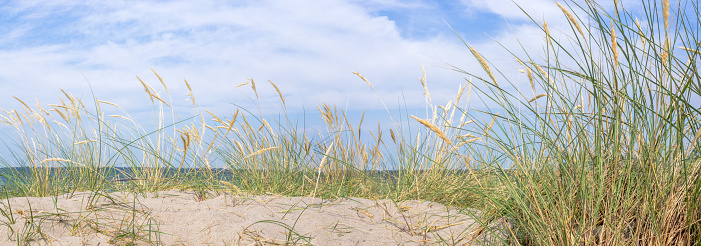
[601, 150]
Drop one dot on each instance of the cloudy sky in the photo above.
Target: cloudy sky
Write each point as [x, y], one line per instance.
[307, 47]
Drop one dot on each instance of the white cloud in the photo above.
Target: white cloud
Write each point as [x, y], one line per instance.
[307, 47]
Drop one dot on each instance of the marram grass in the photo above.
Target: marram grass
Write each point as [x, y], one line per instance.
[603, 149]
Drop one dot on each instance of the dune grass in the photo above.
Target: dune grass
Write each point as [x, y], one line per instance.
[601, 150]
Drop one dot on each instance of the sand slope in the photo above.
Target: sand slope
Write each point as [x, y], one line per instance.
[180, 218]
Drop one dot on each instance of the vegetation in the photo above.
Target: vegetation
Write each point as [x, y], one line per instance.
[601, 151]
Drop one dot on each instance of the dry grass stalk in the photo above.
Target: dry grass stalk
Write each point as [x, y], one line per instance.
[363, 78]
[536, 97]
[434, 129]
[148, 89]
[110, 103]
[465, 123]
[238, 144]
[614, 44]
[120, 116]
[64, 126]
[472, 140]
[360, 124]
[19, 118]
[640, 32]
[546, 75]
[423, 83]
[160, 79]
[215, 117]
[278, 92]
[211, 144]
[529, 74]
[261, 127]
[665, 52]
[391, 134]
[665, 14]
[460, 91]
[231, 123]
[66, 94]
[189, 93]
[54, 159]
[84, 142]
[486, 132]
[60, 113]
[269, 128]
[20, 100]
[690, 50]
[321, 165]
[484, 64]
[571, 18]
[547, 35]
[242, 84]
[253, 86]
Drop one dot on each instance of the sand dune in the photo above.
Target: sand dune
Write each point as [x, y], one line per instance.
[183, 218]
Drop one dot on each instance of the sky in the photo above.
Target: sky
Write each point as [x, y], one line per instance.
[308, 48]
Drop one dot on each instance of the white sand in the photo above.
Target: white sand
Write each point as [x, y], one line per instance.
[178, 218]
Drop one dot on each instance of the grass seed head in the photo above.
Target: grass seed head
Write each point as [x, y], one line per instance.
[434, 129]
[160, 79]
[423, 83]
[484, 64]
[253, 86]
[189, 93]
[363, 78]
[614, 44]
[640, 32]
[145, 89]
[278, 92]
[536, 97]
[571, 18]
[391, 134]
[665, 14]
[546, 75]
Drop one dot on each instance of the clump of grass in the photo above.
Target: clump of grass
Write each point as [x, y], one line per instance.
[611, 156]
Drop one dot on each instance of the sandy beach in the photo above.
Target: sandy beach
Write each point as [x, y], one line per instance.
[184, 218]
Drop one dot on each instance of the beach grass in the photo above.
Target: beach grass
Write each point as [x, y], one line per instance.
[600, 149]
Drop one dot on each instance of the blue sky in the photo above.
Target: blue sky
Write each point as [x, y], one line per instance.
[307, 47]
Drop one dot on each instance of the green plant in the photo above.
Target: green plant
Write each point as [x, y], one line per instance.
[604, 151]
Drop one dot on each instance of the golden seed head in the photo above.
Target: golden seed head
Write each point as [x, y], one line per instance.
[547, 76]
[160, 79]
[363, 78]
[614, 44]
[484, 64]
[278, 92]
[536, 97]
[192, 96]
[145, 89]
[665, 13]
[530, 79]
[423, 83]
[391, 134]
[253, 86]
[571, 18]
[434, 129]
[640, 30]
[461, 88]
[491, 124]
